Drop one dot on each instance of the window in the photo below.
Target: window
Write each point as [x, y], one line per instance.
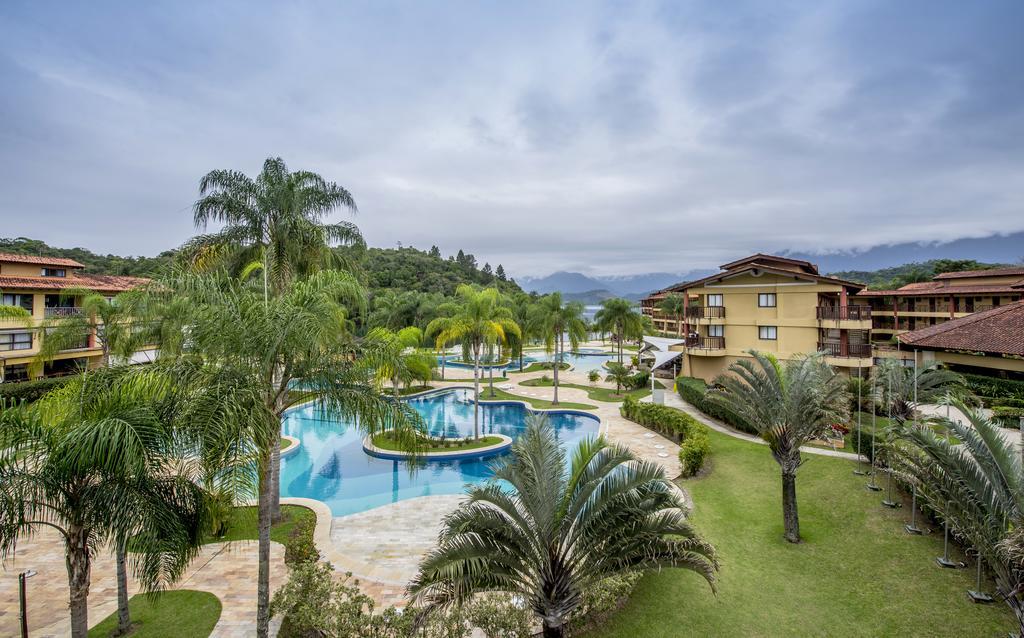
[715, 301]
[53, 272]
[24, 301]
[15, 341]
[768, 333]
[766, 300]
[716, 331]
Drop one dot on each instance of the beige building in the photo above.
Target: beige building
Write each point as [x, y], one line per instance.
[41, 285]
[767, 303]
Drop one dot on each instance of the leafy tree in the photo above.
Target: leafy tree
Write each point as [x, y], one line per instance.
[674, 305]
[554, 322]
[435, 252]
[618, 317]
[551, 536]
[788, 404]
[400, 361]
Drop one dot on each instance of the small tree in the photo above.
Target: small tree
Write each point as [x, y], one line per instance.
[674, 305]
[619, 374]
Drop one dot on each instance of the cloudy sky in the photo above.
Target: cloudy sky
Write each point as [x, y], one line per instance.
[604, 138]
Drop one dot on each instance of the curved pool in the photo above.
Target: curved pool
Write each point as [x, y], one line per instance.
[331, 466]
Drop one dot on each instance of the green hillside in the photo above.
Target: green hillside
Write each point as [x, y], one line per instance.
[896, 276]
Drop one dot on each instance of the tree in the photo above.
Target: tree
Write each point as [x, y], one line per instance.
[274, 220]
[486, 272]
[618, 317]
[900, 396]
[97, 460]
[619, 374]
[789, 404]
[241, 363]
[551, 536]
[499, 272]
[476, 320]
[554, 322]
[674, 305]
[435, 252]
[400, 361]
[524, 313]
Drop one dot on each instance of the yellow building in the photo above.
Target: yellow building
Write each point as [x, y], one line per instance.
[767, 303]
[40, 286]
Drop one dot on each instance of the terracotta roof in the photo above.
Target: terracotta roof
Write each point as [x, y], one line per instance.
[924, 290]
[992, 272]
[99, 283]
[42, 261]
[755, 266]
[997, 331]
[762, 257]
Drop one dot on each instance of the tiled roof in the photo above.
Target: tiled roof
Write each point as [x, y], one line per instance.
[932, 288]
[993, 272]
[998, 331]
[42, 261]
[766, 259]
[99, 283]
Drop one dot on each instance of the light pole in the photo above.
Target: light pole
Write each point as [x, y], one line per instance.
[22, 604]
[860, 383]
[874, 487]
[976, 594]
[912, 527]
[944, 560]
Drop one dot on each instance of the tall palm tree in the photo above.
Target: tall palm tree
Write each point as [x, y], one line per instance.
[899, 386]
[789, 404]
[399, 348]
[274, 220]
[242, 361]
[618, 317]
[99, 461]
[674, 305]
[550, 536]
[524, 313]
[555, 321]
[478, 319]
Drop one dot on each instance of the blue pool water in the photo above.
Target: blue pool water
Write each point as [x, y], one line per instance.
[332, 467]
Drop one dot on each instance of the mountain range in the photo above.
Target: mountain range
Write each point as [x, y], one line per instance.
[591, 290]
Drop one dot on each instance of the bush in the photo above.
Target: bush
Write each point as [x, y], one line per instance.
[498, 617]
[865, 448]
[1007, 417]
[594, 376]
[994, 387]
[694, 391]
[30, 391]
[1006, 402]
[301, 548]
[694, 451]
[639, 380]
[668, 421]
[601, 599]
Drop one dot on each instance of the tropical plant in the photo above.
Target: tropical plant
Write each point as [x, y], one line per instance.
[593, 376]
[524, 313]
[788, 404]
[554, 322]
[273, 223]
[476, 320]
[619, 374]
[99, 461]
[618, 317]
[549, 537]
[401, 362]
[900, 389]
[674, 305]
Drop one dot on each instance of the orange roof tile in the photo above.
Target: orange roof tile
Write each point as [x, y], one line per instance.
[992, 272]
[42, 261]
[99, 283]
[997, 331]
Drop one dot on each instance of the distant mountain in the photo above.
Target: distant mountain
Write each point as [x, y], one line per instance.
[594, 297]
[629, 286]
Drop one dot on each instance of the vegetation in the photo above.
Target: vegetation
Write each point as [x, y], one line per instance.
[541, 404]
[694, 451]
[671, 422]
[899, 389]
[552, 536]
[595, 393]
[30, 391]
[695, 392]
[619, 375]
[789, 404]
[898, 276]
[538, 366]
[169, 614]
[674, 305]
[993, 390]
[242, 524]
[410, 270]
[387, 442]
[555, 321]
[96, 264]
[618, 318]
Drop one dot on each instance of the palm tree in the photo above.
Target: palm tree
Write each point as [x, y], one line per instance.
[524, 313]
[551, 536]
[789, 404]
[619, 374]
[242, 361]
[399, 348]
[618, 317]
[274, 220]
[901, 390]
[554, 322]
[674, 305]
[478, 319]
[98, 460]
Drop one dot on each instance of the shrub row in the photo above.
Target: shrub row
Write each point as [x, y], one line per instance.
[30, 391]
[694, 391]
[694, 451]
[994, 387]
[670, 422]
[865, 448]
[1007, 417]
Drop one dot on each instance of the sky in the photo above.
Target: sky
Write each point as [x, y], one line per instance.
[605, 138]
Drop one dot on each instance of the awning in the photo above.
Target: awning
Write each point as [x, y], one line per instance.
[661, 358]
[661, 343]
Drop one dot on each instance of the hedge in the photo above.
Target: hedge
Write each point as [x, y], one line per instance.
[694, 391]
[694, 451]
[30, 391]
[994, 387]
[668, 421]
[1008, 417]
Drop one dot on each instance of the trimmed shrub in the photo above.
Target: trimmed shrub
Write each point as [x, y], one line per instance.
[603, 598]
[694, 391]
[668, 421]
[694, 451]
[994, 387]
[30, 391]
[300, 547]
[639, 380]
[1007, 417]
[1006, 403]
[865, 449]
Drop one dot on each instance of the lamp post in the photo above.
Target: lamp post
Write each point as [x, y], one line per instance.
[860, 382]
[874, 487]
[976, 594]
[944, 560]
[912, 527]
[22, 604]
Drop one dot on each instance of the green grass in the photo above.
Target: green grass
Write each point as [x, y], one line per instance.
[242, 525]
[387, 442]
[483, 379]
[541, 404]
[415, 389]
[857, 573]
[594, 393]
[539, 366]
[285, 443]
[174, 613]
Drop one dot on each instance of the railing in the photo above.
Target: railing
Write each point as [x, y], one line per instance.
[849, 350]
[705, 343]
[705, 312]
[844, 313]
[63, 311]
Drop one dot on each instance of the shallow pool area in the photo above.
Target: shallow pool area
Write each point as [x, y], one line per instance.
[331, 466]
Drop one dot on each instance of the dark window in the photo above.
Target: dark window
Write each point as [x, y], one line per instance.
[25, 301]
[15, 341]
[54, 272]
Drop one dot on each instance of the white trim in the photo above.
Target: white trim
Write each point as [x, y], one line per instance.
[798, 283]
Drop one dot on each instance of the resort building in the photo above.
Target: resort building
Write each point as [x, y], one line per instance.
[767, 303]
[45, 287]
[947, 296]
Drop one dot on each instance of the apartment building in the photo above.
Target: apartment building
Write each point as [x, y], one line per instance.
[951, 295]
[44, 286]
[767, 303]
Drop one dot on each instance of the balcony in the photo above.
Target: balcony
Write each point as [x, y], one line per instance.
[845, 351]
[844, 313]
[62, 311]
[705, 343]
[705, 312]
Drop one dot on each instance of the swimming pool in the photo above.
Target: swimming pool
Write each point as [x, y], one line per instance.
[331, 466]
[582, 361]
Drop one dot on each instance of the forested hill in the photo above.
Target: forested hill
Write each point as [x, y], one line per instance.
[99, 264]
[897, 276]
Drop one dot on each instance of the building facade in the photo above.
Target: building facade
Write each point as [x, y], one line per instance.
[45, 287]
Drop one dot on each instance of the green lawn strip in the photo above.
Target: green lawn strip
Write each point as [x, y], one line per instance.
[593, 392]
[540, 404]
[242, 525]
[857, 573]
[169, 614]
[416, 389]
[538, 366]
[386, 442]
[483, 379]
[285, 443]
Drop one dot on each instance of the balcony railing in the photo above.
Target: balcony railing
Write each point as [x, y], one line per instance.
[844, 313]
[63, 311]
[705, 312]
[849, 350]
[705, 343]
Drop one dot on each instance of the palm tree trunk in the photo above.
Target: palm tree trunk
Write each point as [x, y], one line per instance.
[476, 392]
[490, 377]
[124, 619]
[552, 630]
[263, 533]
[79, 568]
[275, 472]
[555, 365]
[621, 336]
[789, 511]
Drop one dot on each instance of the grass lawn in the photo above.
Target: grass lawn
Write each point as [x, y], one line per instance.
[538, 366]
[595, 393]
[415, 389]
[501, 395]
[857, 573]
[483, 379]
[178, 612]
[242, 525]
[387, 442]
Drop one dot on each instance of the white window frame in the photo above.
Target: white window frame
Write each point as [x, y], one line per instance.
[719, 329]
[716, 297]
[768, 333]
[763, 297]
